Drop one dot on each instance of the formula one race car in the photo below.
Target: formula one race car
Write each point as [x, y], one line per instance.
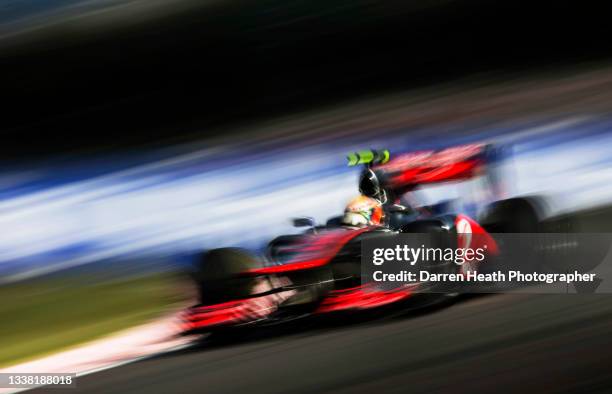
[319, 271]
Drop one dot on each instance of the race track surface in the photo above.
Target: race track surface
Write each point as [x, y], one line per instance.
[500, 343]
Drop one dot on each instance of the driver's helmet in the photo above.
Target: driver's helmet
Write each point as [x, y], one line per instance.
[363, 211]
[369, 186]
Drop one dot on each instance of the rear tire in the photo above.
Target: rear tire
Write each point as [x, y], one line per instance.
[515, 215]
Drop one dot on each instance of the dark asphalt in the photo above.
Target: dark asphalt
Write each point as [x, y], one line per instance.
[501, 344]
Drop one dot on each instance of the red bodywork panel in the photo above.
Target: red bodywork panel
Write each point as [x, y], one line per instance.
[315, 250]
[471, 235]
[482, 239]
[362, 298]
[228, 313]
[425, 167]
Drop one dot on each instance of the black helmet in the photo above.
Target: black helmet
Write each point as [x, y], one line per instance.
[369, 186]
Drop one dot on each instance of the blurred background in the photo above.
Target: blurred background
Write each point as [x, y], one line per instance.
[136, 134]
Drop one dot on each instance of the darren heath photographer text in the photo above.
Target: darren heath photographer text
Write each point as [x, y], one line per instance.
[409, 255]
[474, 276]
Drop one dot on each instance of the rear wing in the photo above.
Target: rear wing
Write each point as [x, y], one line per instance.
[407, 171]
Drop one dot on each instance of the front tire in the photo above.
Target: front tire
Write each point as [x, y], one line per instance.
[220, 276]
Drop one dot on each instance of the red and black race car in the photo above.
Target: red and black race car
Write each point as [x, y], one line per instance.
[319, 271]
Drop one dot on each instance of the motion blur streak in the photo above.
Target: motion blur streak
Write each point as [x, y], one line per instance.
[164, 162]
[184, 202]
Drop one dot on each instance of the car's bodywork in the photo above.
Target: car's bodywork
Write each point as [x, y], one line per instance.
[319, 271]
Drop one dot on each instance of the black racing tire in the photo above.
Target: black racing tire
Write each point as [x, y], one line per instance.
[220, 275]
[514, 215]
